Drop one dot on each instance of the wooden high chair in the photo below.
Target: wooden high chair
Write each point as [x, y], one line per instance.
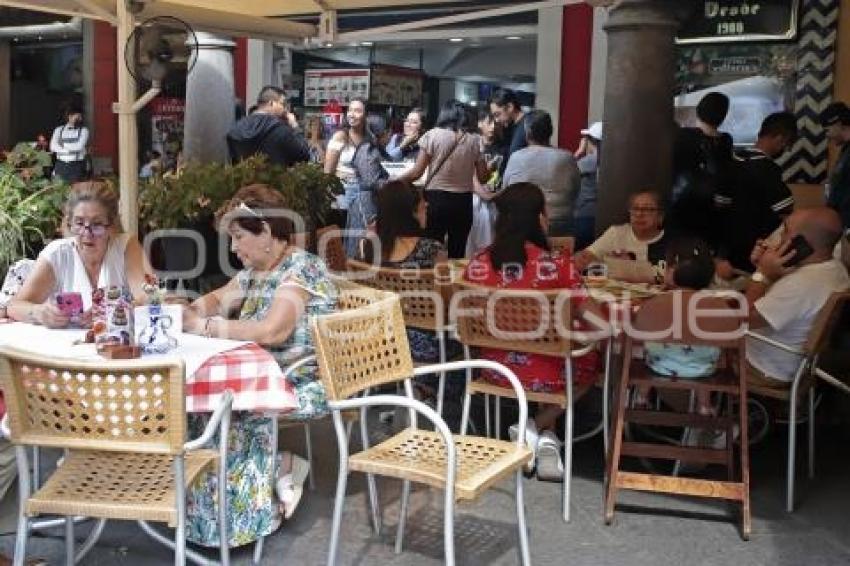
[688, 318]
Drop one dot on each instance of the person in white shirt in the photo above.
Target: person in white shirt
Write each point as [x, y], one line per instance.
[642, 239]
[94, 256]
[68, 143]
[784, 301]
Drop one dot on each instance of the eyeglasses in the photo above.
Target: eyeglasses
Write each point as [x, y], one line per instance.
[96, 229]
[643, 209]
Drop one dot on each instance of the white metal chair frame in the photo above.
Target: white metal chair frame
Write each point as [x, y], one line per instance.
[808, 363]
[603, 426]
[219, 422]
[569, 440]
[415, 407]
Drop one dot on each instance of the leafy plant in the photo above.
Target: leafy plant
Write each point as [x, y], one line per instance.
[30, 203]
[193, 196]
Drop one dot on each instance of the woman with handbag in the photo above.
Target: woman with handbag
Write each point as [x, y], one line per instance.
[371, 175]
[452, 154]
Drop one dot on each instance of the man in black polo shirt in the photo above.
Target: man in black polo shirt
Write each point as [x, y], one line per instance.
[507, 112]
[754, 204]
[836, 122]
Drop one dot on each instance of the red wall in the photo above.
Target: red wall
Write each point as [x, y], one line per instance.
[575, 74]
[105, 142]
[240, 69]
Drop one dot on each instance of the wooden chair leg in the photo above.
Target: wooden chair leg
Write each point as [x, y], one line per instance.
[614, 455]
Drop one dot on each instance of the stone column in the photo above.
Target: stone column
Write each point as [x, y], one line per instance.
[637, 149]
[210, 100]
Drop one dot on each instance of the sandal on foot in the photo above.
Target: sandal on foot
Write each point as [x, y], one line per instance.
[289, 494]
[550, 467]
[531, 438]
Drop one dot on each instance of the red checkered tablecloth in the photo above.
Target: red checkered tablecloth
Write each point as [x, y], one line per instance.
[250, 372]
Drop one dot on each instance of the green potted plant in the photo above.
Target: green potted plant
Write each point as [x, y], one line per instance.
[193, 196]
[188, 200]
[30, 204]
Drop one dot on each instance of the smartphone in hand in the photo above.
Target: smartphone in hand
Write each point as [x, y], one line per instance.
[71, 305]
[803, 249]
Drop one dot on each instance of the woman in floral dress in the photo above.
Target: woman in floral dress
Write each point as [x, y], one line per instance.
[269, 302]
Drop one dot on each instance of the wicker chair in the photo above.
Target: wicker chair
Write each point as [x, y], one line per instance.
[351, 296]
[123, 425]
[423, 303]
[661, 319]
[517, 322]
[330, 248]
[564, 244]
[367, 347]
[817, 341]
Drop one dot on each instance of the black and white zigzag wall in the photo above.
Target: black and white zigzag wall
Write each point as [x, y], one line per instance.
[818, 28]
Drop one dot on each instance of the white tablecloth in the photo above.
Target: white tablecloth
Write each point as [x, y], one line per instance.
[193, 350]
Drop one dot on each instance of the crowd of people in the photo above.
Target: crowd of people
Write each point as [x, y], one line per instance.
[491, 179]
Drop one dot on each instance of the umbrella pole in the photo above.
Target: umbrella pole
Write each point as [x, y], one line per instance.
[128, 138]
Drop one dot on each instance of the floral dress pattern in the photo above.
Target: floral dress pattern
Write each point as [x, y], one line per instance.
[542, 270]
[251, 466]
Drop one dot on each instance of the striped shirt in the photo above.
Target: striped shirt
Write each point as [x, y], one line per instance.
[753, 204]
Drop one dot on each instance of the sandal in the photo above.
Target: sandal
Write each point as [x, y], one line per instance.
[290, 484]
[531, 437]
[550, 466]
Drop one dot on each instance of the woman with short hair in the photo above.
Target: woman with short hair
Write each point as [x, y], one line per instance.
[641, 239]
[269, 303]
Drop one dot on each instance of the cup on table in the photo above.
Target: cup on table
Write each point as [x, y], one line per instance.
[596, 274]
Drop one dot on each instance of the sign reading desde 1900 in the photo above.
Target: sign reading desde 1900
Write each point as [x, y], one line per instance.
[714, 10]
[740, 20]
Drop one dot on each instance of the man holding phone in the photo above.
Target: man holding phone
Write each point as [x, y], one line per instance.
[792, 282]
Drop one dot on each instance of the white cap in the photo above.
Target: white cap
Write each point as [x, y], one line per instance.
[594, 130]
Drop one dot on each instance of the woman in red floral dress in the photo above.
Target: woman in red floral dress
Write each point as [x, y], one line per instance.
[520, 258]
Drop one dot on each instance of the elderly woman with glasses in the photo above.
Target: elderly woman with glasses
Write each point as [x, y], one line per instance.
[268, 302]
[96, 254]
[642, 239]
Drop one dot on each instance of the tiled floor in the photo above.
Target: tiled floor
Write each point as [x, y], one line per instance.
[649, 530]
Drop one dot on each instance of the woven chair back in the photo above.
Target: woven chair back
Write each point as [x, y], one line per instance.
[362, 348]
[329, 247]
[422, 298]
[691, 318]
[524, 320]
[562, 244]
[128, 406]
[828, 318]
[353, 296]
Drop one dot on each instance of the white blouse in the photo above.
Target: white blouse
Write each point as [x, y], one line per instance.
[344, 170]
[70, 272]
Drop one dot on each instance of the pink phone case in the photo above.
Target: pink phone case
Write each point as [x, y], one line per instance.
[70, 303]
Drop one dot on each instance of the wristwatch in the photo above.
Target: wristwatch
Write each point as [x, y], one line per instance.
[759, 277]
